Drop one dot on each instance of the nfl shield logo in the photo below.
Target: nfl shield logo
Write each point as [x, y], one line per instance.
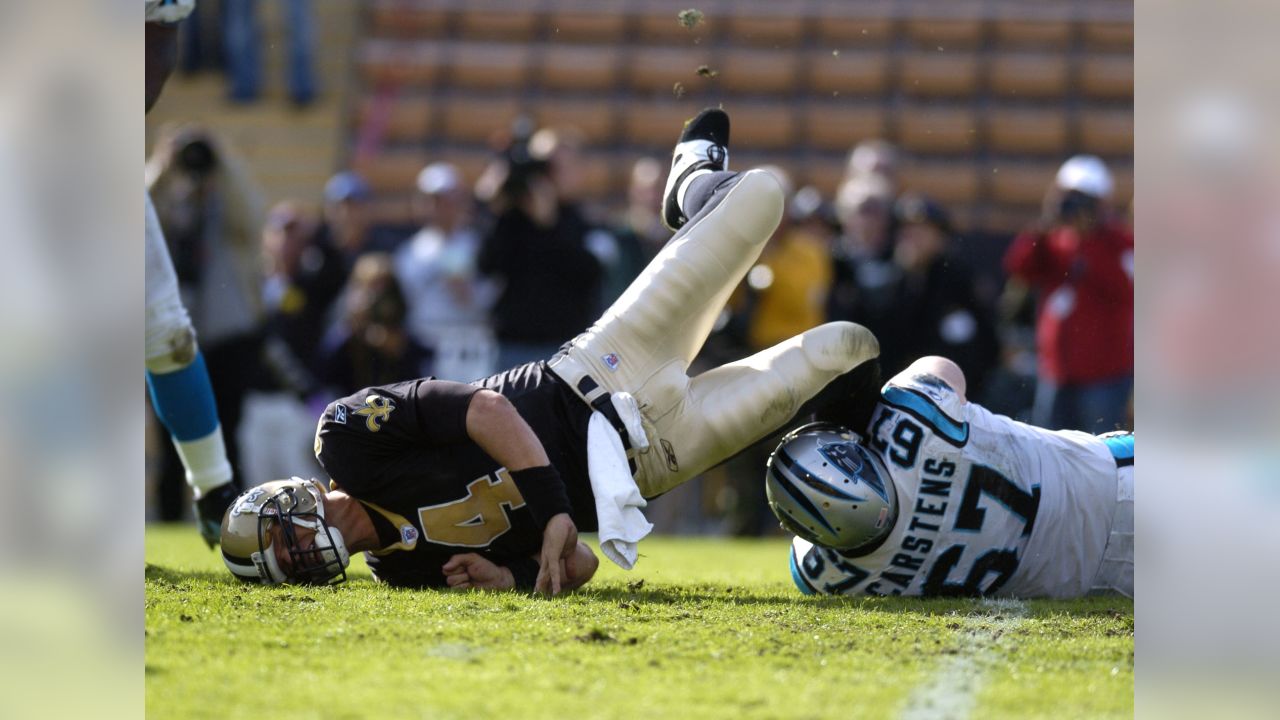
[612, 360]
[409, 534]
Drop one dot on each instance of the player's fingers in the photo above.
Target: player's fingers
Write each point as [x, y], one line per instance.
[455, 563]
[457, 579]
[463, 586]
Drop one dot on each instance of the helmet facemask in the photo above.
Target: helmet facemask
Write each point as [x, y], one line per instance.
[323, 563]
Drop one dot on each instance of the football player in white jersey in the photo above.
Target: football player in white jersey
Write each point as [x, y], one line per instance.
[181, 393]
[941, 497]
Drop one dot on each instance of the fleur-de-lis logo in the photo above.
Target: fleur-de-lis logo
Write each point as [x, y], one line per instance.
[376, 409]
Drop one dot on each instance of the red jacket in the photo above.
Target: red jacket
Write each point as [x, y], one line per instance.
[1084, 325]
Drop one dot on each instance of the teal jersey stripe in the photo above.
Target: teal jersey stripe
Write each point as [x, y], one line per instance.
[927, 412]
[1121, 447]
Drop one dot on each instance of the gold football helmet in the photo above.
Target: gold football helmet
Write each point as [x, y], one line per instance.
[273, 513]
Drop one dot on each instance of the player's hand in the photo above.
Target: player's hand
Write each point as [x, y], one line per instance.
[469, 570]
[210, 508]
[559, 540]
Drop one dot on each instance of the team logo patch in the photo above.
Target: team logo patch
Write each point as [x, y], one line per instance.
[612, 361]
[376, 409]
[409, 534]
[340, 414]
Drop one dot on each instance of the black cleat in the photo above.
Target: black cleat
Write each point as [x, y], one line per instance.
[704, 145]
[210, 508]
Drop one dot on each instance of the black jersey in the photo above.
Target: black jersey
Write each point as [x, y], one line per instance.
[403, 451]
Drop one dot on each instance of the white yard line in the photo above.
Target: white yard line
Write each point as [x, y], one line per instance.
[952, 689]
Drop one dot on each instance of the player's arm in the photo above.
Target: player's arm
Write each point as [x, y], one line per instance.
[469, 571]
[495, 425]
[941, 368]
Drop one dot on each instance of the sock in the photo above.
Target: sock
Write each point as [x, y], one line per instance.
[699, 187]
[183, 402]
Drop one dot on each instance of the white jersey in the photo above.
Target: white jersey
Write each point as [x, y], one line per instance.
[987, 505]
[168, 11]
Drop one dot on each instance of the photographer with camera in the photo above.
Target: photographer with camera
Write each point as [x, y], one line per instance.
[542, 249]
[1080, 261]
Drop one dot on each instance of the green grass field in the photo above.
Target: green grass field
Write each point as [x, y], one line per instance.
[702, 628]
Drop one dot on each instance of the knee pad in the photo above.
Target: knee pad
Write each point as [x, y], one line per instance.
[839, 346]
[172, 350]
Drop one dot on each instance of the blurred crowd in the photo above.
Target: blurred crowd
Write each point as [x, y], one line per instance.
[226, 36]
[296, 305]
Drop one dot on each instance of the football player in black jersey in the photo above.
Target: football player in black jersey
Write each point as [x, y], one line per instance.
[484, 485]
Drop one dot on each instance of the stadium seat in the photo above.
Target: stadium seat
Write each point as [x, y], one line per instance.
[1106, 132]
[596, 119]
[1027, 75]
[824, 172]
[1122, 196]
[580, 67]
[838, 126]
[950, 183]
[1107, 76]
[496, 20]
[1025, 130]
[764, 126]
[957, 24]
[776, 24]
[1108, 35]
[655, 125]
[393, 62]
[408, 18]
[656, 69]
[400, 119]
[588, 22]
[477, 120]
[937, 129]
[939, 74]
[842, 24]
[1021, 184]
[1052, 31]
[488, 66]
[849, 73]
[392, 171]
[759, 71]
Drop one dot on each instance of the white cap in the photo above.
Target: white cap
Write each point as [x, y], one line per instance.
[1086, 174]
[438, 177]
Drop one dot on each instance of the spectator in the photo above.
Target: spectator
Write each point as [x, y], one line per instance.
[211, 214]
[864, 278]
[372, 346]
[1081, 263]
[639, 232]
[242, 33]
[304, 277]
[448, 302]
[874, 157]
[540, 248]
[937, 309]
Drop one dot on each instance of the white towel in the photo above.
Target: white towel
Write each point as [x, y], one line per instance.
[618, 500]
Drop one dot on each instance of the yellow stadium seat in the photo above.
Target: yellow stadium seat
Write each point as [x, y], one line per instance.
[1019, 183]
[825, 172]
[396, 62]
[1107, 76]
[488, 66]
[841, 24]
[392, 171]
[939, 74]
[1024, 130]
[759, 71]
[656, 124]
[1108, 35]
[947, 182]
[937, 129]
[837, 126]
[590, 21]
[657, 69]
[402, 119]
[763, 126]
[848, 74]
[958, 24]
[1106, 132]
[580, 67]
[477, 120]
[1051, 31]
[776, 23]
[408, 18]
[496, 20]
[1028, 75]
[596, 119]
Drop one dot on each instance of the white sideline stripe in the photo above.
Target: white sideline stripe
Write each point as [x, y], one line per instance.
[953, 687]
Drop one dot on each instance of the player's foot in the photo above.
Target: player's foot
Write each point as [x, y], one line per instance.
[210, 507]
[703, 148]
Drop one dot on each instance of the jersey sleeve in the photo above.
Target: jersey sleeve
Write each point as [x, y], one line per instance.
[359, 435]
[930, 400]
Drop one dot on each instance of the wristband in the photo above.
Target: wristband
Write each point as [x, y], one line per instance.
[543, 492]
[524, 571]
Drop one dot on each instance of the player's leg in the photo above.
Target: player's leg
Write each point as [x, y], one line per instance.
[644, 343]
[727, 409]
[180, 390]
